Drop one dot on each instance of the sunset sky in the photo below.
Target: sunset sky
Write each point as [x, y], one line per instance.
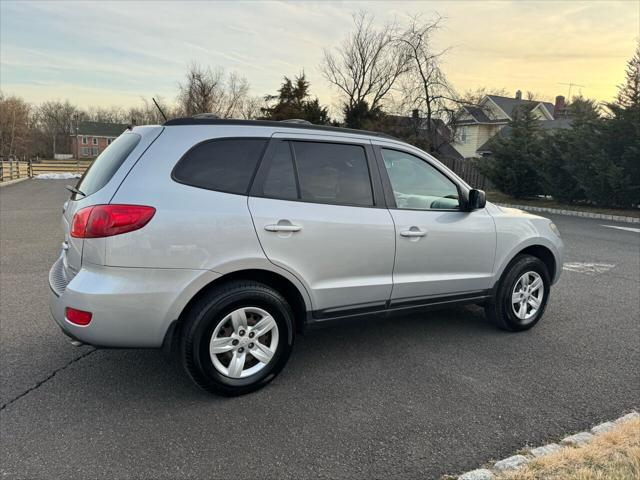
[108, 53]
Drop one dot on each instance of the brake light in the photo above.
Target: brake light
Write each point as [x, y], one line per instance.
[77, 317]
[107, 220]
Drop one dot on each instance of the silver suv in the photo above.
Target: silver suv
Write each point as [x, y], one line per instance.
[220, 240]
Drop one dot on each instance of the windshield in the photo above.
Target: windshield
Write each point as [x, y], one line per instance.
[106, 164]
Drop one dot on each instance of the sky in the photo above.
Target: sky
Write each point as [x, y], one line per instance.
[103, 53]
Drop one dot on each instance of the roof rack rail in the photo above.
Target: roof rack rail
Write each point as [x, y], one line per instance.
[271, 123]
[297, 120]
[212, 116]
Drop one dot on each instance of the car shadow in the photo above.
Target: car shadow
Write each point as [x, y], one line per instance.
[355, 349]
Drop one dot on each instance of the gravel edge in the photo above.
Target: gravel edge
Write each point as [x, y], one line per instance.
[573, 213]
[516, 461]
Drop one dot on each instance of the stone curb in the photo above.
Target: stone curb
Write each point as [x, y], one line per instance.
[573, 213]
[12, 182]
[517, 461]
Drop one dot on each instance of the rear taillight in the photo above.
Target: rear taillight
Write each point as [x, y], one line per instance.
[78, 317]
[106, 220]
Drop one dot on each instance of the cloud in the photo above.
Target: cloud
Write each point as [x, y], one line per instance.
[108, 51]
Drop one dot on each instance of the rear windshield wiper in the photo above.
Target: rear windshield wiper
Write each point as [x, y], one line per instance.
[75, 190]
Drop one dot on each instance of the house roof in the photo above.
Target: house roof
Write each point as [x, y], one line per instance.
[507, 104]
[557, 124]
[101, 129]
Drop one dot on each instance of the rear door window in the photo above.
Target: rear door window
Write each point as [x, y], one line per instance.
[280, 181]
[333, 173]
[225, 165]
[108, 163]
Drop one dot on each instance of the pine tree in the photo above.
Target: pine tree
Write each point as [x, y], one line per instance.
[514, 167]
[293, 101]
[629, 91]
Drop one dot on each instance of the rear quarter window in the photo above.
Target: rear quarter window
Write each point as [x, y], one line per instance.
[107, 163]
[225, 165]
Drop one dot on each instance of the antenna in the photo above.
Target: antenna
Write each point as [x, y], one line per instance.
[571, 84]
[159, 109]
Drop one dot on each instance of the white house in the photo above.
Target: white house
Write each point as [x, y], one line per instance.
[477, 124]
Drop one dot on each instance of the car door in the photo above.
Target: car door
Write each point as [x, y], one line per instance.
[440, 249]
[318, 213]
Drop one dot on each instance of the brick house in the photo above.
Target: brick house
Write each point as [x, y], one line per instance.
[91, 138]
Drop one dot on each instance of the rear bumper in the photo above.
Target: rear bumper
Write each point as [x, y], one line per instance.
[131, 307]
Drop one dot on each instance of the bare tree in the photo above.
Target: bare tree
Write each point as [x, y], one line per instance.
[55, 120]
[251, 108]
[197, 93]
[207, 90]
[232, 93]
[425, 86]
[366, 65]
[15, 116]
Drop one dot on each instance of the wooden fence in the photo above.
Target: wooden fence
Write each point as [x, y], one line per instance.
[13, 168]
[469, 172]
[60, 166]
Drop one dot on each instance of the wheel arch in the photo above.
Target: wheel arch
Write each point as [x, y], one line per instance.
[544, 253]
[286, 287]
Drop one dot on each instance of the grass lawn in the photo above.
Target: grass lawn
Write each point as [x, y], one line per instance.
[499, 197]
[611, 455]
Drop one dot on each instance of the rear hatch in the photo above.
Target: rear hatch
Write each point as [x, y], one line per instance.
[98, 186]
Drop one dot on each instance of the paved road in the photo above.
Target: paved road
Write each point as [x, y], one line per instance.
[412, 397]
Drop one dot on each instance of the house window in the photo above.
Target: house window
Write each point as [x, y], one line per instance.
[84, 140]
[94, 151]
[462, 135]
[94, 140]
[85, 151]
[109, 140]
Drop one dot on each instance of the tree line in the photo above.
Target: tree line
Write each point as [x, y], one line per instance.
[596, 161]
[375, 70]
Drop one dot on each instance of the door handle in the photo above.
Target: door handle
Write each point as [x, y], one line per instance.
[282, 228]
[413, 232]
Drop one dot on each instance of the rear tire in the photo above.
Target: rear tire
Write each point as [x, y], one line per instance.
[237, 338]
[521, 296]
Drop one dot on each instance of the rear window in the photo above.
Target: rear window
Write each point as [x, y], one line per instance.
[225, 165]
[108, 163]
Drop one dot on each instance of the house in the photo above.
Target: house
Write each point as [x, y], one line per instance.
[477, 124]
[91, 138]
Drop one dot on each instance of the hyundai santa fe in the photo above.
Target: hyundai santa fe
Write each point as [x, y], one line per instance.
[220, 240]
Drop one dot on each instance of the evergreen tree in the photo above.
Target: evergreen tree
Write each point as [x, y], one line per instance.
[629, 92]
[514, 167]
[293, 101]
[361, 116]
[565, 153]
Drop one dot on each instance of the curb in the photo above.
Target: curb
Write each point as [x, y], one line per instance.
[573, 213]
[516, 461]
[12, 182]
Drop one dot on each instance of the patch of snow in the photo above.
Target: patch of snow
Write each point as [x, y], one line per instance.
[57, 176]
[588, 268]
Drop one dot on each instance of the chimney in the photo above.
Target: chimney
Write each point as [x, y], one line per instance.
[518, 94]
[560, 107]
[415, 114]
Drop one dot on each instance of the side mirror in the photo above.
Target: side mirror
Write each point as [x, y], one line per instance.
[477, 199]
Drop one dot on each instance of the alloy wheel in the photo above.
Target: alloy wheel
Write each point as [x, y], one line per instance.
[527, 296]
[244, 342]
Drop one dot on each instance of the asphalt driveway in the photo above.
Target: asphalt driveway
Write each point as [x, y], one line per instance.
[411, 397]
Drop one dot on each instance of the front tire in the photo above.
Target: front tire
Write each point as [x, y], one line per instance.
[521, 296]
[237, 338]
